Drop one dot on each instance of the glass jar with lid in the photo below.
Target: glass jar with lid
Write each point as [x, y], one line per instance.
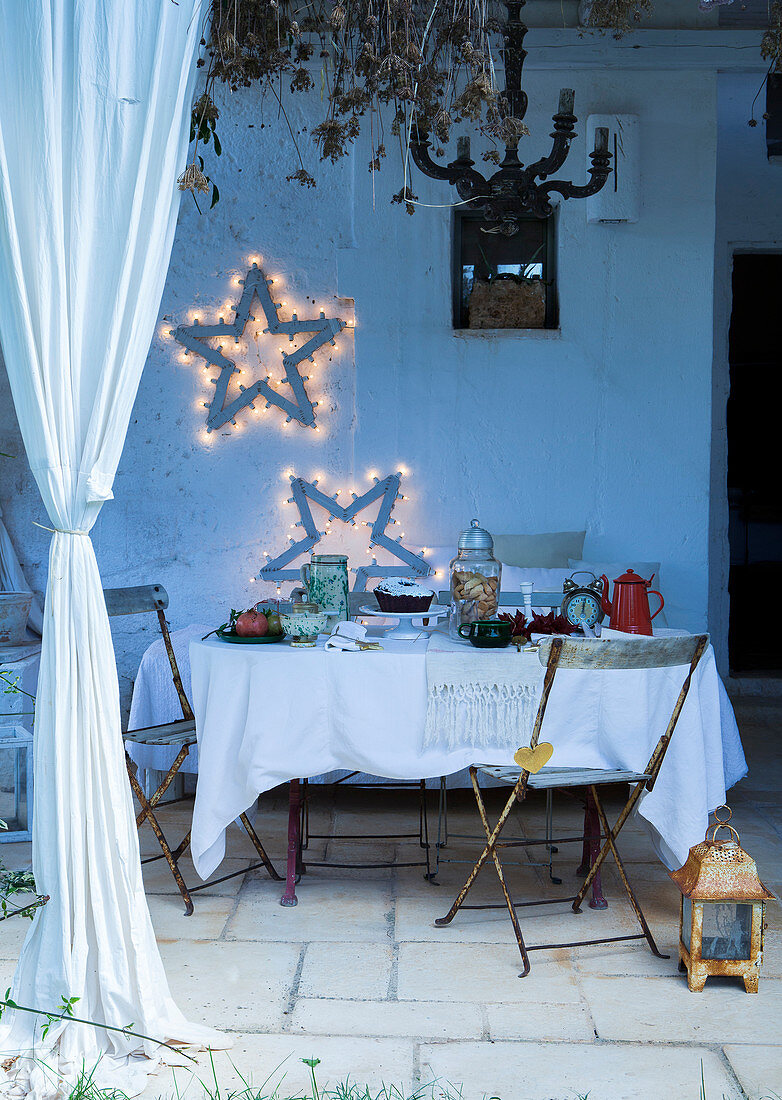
[475, 579]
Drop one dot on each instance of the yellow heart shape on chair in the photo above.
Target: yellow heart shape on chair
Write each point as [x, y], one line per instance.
[532, 760]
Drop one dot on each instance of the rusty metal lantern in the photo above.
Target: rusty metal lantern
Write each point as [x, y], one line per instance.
[722, 914]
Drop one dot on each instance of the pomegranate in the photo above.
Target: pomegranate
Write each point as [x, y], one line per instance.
[252, 624]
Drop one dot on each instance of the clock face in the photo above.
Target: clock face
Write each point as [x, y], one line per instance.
[583, 607]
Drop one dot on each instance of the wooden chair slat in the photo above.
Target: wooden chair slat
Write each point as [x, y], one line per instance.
[166, 734]
[564, 777]
[616, 653]
[135, 600]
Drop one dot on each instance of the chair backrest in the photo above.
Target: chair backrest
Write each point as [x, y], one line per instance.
[618, 653]
[139, 600]
[615, 654]
[134, 601]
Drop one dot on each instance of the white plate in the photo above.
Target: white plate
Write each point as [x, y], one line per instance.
[406, 631]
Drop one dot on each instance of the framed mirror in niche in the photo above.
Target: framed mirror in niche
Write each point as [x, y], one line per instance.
[504, 282]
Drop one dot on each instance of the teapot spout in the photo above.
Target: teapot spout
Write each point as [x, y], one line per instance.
[605, 603]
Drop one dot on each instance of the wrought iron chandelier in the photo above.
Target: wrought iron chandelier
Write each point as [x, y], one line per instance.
[515, 190]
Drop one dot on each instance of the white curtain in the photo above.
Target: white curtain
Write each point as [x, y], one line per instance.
[94, 106]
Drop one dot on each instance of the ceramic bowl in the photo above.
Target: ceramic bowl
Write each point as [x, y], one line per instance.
[303, 629]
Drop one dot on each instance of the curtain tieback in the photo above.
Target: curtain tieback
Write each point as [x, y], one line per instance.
[60, 530]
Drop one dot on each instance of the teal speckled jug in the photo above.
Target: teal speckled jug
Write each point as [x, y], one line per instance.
[326, 581]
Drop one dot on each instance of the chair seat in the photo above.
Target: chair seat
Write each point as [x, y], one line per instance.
[563, 777]
[169, 733]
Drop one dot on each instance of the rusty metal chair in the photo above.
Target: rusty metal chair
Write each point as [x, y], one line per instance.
[180, 733]
[639, 653]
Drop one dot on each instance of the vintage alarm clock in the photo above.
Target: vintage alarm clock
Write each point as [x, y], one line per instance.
[582, 602]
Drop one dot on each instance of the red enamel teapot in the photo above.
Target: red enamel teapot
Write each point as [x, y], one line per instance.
[630, 608]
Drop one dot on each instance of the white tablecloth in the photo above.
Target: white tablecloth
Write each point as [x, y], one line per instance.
[155, 702]
[269, 713]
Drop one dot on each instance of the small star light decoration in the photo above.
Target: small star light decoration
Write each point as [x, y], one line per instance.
[222, 407]
[305, 491]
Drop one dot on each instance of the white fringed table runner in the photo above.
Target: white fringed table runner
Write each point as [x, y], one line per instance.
[480, 697]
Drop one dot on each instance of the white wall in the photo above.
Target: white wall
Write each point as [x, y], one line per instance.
[604, 425]
[749, 217]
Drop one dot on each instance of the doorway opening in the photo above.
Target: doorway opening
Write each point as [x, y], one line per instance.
[754, 427]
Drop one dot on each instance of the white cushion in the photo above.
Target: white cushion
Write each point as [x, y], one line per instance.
[547, 551]
[545, 580]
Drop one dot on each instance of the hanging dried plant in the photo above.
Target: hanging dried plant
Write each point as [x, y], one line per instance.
[771, 43]
[431, 62]
[193, 179]
[619, 16]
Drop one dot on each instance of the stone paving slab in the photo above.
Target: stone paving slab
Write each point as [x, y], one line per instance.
[393, 1019]
[548, 924]
[633, 959]
[234, 986]
[484, 973]
[171, 924]
[277, 1060]
[566, 1071]
[354, 971]
[334, 911]
[662, 1010]
[758, 1068]
[533, 1020]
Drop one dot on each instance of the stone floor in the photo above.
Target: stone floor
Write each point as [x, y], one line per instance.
[359, 977]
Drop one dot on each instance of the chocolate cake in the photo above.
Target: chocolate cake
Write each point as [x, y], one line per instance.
[401, 594]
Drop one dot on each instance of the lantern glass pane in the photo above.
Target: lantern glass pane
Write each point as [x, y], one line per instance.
[727, 930]
[686, 922]
[13, 788]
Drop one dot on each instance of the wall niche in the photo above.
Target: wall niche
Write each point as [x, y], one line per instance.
[502, 282]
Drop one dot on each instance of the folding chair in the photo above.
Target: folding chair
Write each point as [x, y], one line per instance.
[180, 733]
[594, 655]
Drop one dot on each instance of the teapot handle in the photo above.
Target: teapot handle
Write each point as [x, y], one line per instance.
[662, 602]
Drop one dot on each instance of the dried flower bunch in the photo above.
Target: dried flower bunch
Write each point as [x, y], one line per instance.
[431, 63]
[619, 16]
[771, 43]
[378, 64]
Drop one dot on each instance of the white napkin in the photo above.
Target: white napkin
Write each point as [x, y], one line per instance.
[347, 636]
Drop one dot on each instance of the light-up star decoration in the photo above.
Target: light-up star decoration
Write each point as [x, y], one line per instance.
[222, 408]
[306, 491]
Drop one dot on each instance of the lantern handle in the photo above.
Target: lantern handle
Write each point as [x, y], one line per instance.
[721, 823]
[716, 828]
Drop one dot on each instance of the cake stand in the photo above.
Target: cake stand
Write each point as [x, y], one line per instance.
[406, 632]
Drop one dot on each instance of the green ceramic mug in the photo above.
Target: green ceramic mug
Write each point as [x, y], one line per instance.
[487, 634]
